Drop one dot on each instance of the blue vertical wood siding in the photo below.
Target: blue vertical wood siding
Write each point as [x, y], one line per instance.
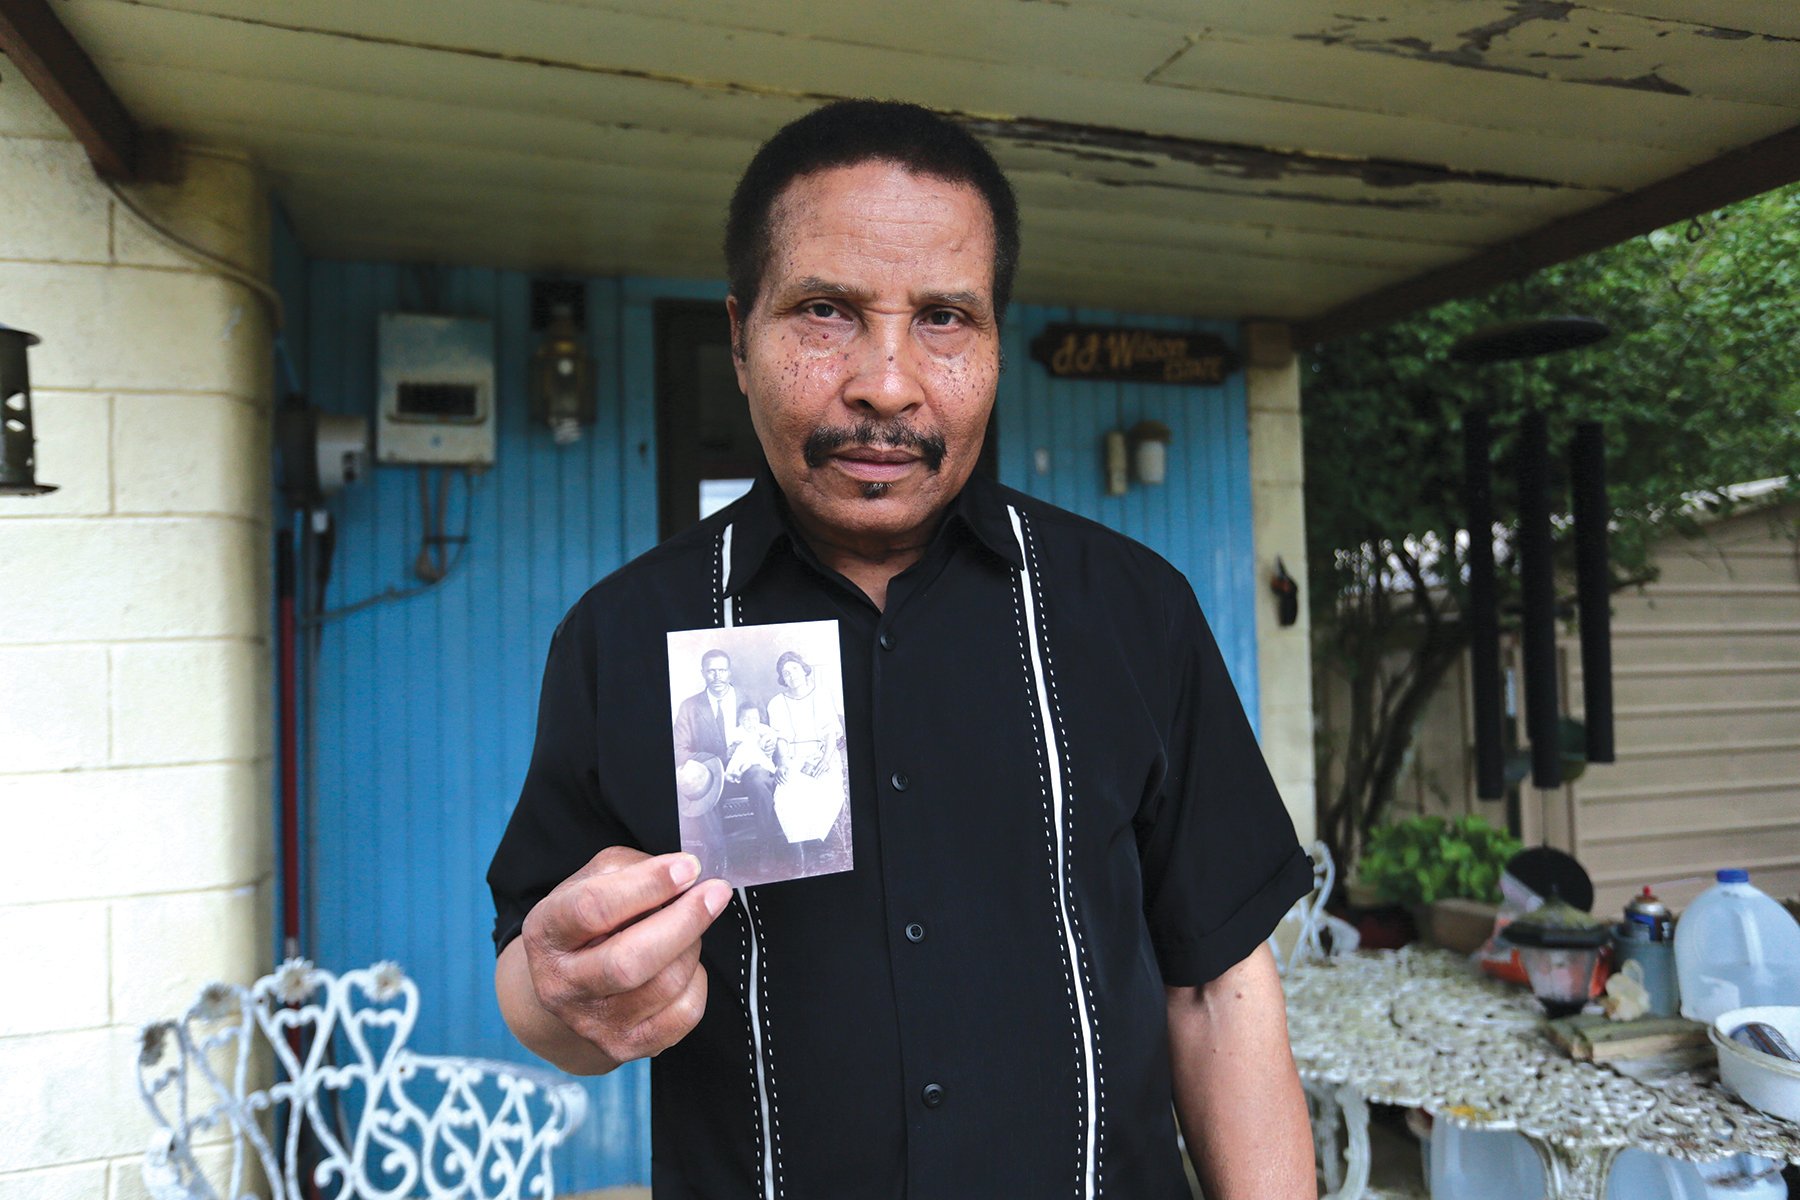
[424, 708]
[1199, 520]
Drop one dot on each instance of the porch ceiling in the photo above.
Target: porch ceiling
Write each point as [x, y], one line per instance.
[1280, 158]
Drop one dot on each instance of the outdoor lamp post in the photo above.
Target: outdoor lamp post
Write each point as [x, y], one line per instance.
[17, 463]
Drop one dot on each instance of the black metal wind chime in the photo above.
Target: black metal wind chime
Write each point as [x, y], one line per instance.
[1511, 342]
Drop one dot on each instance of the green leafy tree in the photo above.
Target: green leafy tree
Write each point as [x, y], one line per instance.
[1698, 389]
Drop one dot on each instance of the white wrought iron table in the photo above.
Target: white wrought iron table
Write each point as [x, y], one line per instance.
[1419, 1027]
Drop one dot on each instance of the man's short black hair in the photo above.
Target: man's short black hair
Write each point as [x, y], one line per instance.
[848, 132]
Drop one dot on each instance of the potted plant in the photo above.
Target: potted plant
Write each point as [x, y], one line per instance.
[1446, 872]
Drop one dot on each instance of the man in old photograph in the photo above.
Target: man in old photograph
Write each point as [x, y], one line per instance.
[705, 724]
[1069, 850]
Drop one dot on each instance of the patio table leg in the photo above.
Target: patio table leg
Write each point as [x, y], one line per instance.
[1345, 1167]
[1575, 1173]
[1357, 1156]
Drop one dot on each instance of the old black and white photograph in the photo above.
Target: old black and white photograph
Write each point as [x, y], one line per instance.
[761, 767]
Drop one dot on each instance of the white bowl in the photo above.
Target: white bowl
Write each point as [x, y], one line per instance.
[1761, 1080]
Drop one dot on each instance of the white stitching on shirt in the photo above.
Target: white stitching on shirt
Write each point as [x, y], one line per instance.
[768, 1026]
[750, 1043]
[1053, 752]
[1052, 894]
[768, 1162]
[1098, 1127]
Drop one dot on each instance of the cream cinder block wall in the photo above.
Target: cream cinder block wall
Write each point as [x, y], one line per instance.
[1283, 654]
[134, 641]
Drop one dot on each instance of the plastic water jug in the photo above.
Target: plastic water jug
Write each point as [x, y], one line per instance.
[1482, 1164]
[1641, 1175]
[1734, 947]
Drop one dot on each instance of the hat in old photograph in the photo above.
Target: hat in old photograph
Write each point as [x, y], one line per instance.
[698, 783]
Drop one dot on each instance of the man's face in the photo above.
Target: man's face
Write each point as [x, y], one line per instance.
[716, 669]
[872, 352]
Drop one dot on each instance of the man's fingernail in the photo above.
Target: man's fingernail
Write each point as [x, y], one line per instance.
[716, 898]
[686, 869]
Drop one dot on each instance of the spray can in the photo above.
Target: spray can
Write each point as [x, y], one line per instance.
[1652, 915]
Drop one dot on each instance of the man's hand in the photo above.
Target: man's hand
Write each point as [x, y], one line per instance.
[607, 969]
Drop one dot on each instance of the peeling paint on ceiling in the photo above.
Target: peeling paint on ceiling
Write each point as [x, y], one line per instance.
[1151, 150]
[1280, 158]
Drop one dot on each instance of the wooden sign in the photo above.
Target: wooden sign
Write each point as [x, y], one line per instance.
[1134, 355]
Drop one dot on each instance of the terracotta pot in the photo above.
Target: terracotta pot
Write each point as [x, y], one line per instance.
[1456, 924]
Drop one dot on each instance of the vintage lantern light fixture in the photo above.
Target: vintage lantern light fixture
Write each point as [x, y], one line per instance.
[18, 460]
[562, 378]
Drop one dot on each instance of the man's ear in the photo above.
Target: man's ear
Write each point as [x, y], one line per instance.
[738, 351]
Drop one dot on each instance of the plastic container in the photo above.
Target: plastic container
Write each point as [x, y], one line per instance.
[1483, 1164]
[1641, 1175]
[1762, 1080]
[1734, 948]
[1492, 1164]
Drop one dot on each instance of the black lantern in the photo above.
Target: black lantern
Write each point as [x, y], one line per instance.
[17, 477]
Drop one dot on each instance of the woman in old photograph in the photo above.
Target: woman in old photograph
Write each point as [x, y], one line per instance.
[809, 730]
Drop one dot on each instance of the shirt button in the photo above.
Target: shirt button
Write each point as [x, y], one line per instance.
[900, 781]
[886, 640]
[915, 932]
[932, 1094]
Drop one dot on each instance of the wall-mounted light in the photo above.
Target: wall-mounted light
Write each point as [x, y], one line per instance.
[562, 378]
[1149, 452]
[17, 459]
[1287, 594]
[1118, 463]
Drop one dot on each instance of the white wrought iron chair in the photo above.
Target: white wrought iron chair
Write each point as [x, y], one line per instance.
[1305, 933]
[1302, 933]
[380, 1122]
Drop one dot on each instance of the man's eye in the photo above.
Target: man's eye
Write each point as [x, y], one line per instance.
[821, 309]
[941, 317]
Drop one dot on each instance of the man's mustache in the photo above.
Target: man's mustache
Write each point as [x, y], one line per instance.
[930, 447]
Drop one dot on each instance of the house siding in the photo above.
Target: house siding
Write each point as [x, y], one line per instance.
[1706, 680]
[135, 730]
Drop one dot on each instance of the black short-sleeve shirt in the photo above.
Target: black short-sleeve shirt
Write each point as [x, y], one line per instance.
[1058, 808]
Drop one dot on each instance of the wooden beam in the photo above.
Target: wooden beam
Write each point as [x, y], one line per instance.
[63, 74]
[1735, 175]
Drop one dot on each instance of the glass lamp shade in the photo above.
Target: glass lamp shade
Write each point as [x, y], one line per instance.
[562, 380]
[1559, 947]
[1562, 978]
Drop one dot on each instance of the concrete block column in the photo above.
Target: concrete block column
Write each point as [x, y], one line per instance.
[1278, 519]
[135, 657]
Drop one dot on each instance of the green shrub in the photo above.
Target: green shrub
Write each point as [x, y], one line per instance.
[1428, 858]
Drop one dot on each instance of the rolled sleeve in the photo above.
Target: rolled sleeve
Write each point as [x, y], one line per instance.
[1220, 858]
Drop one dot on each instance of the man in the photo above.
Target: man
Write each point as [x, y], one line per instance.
[703, 727]
[706, 723]
[702, 721]
[1068, 850]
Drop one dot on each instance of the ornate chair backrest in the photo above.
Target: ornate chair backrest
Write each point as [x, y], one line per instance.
[379, 1121]
[1301, 933]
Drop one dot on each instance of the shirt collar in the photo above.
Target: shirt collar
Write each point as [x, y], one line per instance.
[760, 522]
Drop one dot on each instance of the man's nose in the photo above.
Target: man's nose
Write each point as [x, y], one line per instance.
[885, 378]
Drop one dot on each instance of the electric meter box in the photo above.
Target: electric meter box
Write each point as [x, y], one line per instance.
[436, 381]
